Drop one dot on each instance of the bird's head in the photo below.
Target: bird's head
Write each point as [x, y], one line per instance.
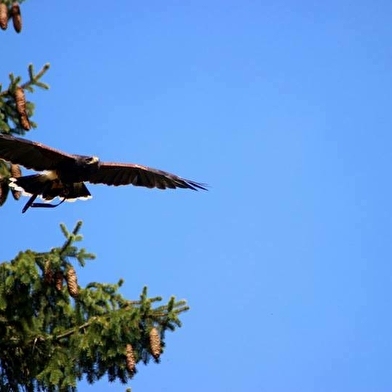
[88, 163]
[92, 160]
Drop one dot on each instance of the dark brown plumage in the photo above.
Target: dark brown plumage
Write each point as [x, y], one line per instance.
[65, 174]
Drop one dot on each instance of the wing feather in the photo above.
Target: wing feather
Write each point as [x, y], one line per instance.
[31, 155]
[138, 175]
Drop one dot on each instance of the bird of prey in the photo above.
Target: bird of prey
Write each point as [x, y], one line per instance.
[63, 175]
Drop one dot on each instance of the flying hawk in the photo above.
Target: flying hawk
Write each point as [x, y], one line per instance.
[64, 174]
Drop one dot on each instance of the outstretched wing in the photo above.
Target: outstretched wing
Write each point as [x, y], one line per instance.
[31, 155]
[125, 174]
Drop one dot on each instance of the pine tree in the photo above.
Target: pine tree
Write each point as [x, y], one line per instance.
[54, 332]
[42, 326]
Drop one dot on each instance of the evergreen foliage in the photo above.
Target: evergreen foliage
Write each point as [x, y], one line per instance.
[49, 340]
[9, 115]
[13, 120]
[54, 332]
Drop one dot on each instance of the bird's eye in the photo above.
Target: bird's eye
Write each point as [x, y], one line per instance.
[92, 159]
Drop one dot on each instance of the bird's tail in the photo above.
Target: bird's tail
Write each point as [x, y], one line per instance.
[48, 189]
[31, 185]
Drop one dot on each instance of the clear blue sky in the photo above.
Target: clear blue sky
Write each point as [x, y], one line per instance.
[284, 108]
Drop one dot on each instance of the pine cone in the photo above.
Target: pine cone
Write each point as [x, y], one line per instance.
[15, 173]
[3, 192]
[72, 283]
[16, 17]
[131, 364]
[3, 16]
[155, 343]
[59, 280]
[20, 100]
[48, 272]
[16, 194]
[24, 121]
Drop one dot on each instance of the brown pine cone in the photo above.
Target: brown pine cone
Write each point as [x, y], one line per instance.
[155, 343]
[15, 173]
[3, 16]
[48, 272]
[20, 101]
[3, 192]
[16, 17]
[72, 283]
[15, 170]
[24, 121]
[16, 194]
[59, 280]
[131, 364]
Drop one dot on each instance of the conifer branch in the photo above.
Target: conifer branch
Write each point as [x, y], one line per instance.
[157, 315]
[74, 330]
[15, 112]
[93, 333]
[33, 81]
[71, 237]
